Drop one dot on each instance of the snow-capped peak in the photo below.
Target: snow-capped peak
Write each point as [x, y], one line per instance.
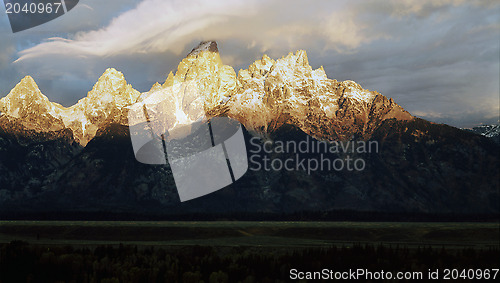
[112, 88]
[110, 80]
[263, 97]
[104, 103]
[289, 91]
[26, 89]
[357, 92]
[489, 131]
[26, 101]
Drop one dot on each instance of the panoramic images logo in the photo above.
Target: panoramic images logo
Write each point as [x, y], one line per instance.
[205, 155]
[25, 14]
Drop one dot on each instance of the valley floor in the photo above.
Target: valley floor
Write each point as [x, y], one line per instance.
[242, 233]
[121, 251]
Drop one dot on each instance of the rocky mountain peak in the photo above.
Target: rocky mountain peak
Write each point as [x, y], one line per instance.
[257, 69]
[105, 103]
[25, 92]
[112, 79]
[420, 166]
[26, 102]
[301, 57]
[289, 91]
[210, 46]
[298, 58]
[203, 67]
[112, 88]
[264, 97]
[489, 131]
[27, 83]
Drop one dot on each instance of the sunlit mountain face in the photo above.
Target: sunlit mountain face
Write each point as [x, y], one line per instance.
[80, 158]
[267, 95]
[103, 104]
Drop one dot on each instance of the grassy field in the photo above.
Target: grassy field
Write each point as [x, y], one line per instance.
[81, 251]
[236, 233]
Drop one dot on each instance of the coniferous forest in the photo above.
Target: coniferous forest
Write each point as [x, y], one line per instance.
[24, 262]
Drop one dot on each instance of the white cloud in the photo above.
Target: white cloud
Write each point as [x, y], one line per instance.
[421, 8]
[152, 26]
[159, 26]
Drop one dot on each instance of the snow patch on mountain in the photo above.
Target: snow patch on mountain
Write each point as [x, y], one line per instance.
[103, 104]
[489, 131]
[267, 95]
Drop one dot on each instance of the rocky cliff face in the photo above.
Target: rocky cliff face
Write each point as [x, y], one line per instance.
[81, 158]
[288, 91]
[271, 93]
[33, 109]
[267, 95]
[489, 131]
[104, 104]
[29, 160]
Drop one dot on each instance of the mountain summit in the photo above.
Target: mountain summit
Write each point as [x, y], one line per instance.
[288, 91]
[264, 97]
[27, 103]
[104, 104]
[272, 93]
[204, 46]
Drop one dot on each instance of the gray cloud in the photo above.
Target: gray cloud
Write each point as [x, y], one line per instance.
[442, 66]
[438, 59]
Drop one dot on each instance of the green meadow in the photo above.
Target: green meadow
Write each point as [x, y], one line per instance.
[238, 233]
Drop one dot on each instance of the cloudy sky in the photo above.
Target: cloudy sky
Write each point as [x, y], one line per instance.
[438, 59]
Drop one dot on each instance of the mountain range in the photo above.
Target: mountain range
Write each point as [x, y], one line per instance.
[490, 131]
[80, 158]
